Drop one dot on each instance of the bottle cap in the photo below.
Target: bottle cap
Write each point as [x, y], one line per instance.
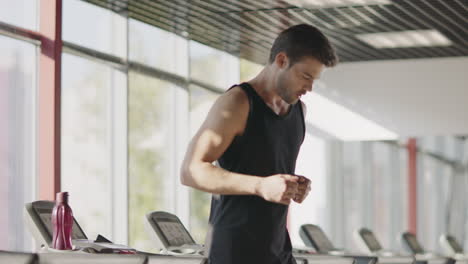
[62, 197]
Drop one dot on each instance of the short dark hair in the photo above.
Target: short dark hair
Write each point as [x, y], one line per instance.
[304, 40]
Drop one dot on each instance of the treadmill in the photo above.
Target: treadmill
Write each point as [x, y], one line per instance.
[171, 236]
[174, 239]
[366, 239]
[411, 243]
[38, 215]
[314, 237]
[452, 248]
[39, 218]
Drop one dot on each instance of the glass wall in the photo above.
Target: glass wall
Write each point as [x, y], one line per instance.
[356, 191]
[89, 128]
[158, 129]
[95, 95]
[248, 70]
[389, 193]
[213, 67]
[21, 13]
[102, 30]
[369, 190]
[151, 153]
[433, 186]
[311, 163]
[157, 48]
[439, 191]
[18, 84]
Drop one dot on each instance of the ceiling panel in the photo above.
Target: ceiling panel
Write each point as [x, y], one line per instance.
[247, 28]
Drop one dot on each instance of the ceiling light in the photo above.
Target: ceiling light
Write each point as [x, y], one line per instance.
[336, 3]
[405, 39]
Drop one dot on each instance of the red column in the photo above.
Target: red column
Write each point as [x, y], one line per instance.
[49, 98]
[412, 186]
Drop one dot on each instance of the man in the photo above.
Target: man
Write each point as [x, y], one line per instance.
[255, 131]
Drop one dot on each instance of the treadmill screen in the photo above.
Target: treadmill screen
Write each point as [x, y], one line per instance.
[174, 232]
[321, 240]
[371, 241]
[414, 245]
[46, 218]
[455, 246]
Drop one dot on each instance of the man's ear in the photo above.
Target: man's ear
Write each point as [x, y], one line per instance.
[281, 60]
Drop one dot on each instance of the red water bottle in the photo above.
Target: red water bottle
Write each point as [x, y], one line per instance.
[62, 221]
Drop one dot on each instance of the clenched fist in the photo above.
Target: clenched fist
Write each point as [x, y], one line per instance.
[303, 189]
[279, 188]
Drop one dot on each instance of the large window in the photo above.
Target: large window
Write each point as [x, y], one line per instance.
[94, 27]
[213, 67]
[21, 13]
[94, 96]
[369, 182]
[158, 129]
[356, 191]
[388, 177]
[17, 139]
[311, 163]
[92, 134]
[435, 186]
[152, 153]
[248, 70]
[158, 48]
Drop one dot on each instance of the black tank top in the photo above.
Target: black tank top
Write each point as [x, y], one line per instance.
[247, 228]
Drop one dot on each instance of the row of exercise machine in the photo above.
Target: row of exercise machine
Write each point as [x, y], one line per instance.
[175, 245]
[314, 237]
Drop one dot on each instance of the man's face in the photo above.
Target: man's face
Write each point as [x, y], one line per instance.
[295, 81]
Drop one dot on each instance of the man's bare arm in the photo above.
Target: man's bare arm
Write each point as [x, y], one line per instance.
[226, 119]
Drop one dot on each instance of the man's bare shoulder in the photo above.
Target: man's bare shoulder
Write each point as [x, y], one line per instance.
[236, 96]
[235, 100]
[230, 111]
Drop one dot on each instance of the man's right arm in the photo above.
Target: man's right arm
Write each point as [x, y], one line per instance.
[227, 119]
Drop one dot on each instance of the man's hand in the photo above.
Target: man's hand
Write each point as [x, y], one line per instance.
[303, 189]
[278, 188]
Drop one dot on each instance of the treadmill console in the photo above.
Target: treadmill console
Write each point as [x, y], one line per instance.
[369, 243]
[450, 245]
[369, 240]
[172, 234]
[410, 241]
[454, 244]
[40, 214]
[39, 218]
[313, 236]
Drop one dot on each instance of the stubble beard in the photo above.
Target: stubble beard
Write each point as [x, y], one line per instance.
[283, 91]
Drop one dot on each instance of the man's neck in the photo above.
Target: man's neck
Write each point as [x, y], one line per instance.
[265, 86]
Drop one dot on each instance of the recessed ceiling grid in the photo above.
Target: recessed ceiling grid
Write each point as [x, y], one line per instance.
[247, 28]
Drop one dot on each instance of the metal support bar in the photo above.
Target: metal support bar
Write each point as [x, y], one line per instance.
[49, 98]
[412, 186]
